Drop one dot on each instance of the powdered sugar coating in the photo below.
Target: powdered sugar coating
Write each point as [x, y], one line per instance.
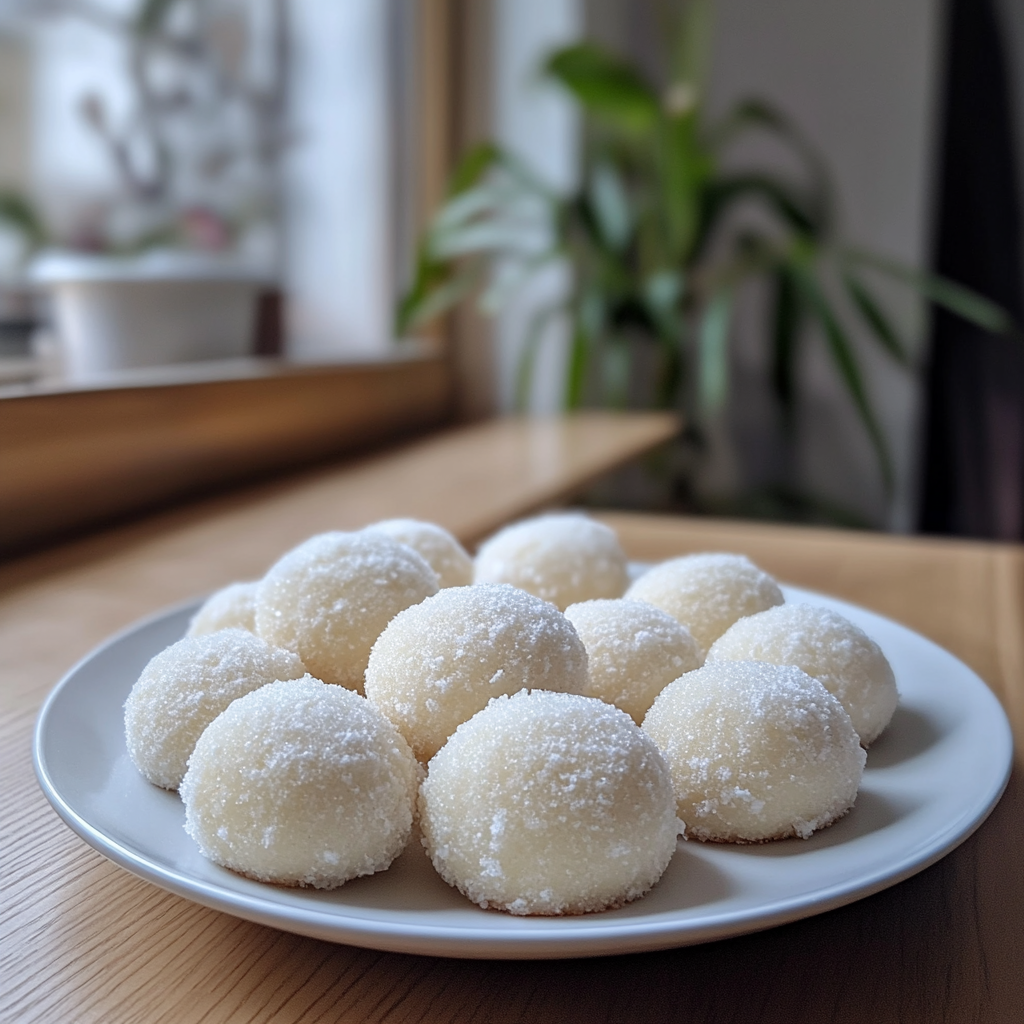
[563, 558]
[442, 552]
[301, 783]
[708, 592]
[756, 751]
[825, 645]
[549, 803]
[185, 687]
[231, 607]
[634, 651]
[331, 597]
[438, 663]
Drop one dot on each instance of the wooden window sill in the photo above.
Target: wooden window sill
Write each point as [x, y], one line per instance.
[75, 454]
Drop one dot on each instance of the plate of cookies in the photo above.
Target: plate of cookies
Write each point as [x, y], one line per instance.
[543, 751]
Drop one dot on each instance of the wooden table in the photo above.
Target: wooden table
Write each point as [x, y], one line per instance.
[84, 941]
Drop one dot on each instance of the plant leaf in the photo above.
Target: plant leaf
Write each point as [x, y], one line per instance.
[436, 287]
[692, 37]
[150, 15]
[713, 344]
[577, 372]
[796, 209]
[511, 275]
[435, 302]
[749, 114]
[473, 166]
[502, 237]
[686, 170]
[876, 319]
[487, 198]
[528, 354]
[605, 86]
[670, 376]
[610, 204]
[786, 322]
[965, 302]
[753, 113]
[615, 372]
[849, 370]
[662, 292]
[588, 323]
[20, 214]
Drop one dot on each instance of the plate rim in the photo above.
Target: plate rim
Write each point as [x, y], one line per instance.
[535, 941]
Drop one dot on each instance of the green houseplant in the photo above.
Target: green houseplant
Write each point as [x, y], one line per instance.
[661, 236]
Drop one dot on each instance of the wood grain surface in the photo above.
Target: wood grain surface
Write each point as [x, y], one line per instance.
[77, 455]
[83, 941]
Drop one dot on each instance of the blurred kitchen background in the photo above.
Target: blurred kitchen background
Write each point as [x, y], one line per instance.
[296, 151]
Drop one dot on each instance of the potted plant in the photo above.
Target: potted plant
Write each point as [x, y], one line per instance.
[660, 236]
[19, 314]
[162, 270]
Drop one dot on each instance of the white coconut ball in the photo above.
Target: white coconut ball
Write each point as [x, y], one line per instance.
[549, 803]
[756, 751]
[634, 651]
[186, 686]
[562, 558]
[707, 593]
[331, 597]
[301, 783]
[825, 645]
[442, 552]
[438, 663]
[231, 607]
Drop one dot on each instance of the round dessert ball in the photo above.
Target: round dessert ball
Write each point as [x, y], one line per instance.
[439, 662]
[442, 552]
[549, 803]
[186, 686]
[231, 607]
[331, 597]
[562, 558]
[756, 751]
[301, 783]
[634, 651]
[825, 645]
[707, 593]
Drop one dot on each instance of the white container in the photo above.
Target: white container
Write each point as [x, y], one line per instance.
[162, 307]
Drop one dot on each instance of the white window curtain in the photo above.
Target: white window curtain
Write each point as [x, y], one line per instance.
[339, 260]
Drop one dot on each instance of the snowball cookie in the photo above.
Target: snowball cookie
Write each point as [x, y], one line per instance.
[707, 593]
[634, 651]
[843, 657]
[231, 607]
[549, 803]
[185, 687]
[301, 783]
[756, 751]
[442, 552]
[330, 598]
[562, 558]
[439, 662]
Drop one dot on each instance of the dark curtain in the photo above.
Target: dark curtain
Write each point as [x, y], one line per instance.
[974, 442]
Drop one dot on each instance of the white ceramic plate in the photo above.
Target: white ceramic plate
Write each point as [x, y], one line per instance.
[931, 780]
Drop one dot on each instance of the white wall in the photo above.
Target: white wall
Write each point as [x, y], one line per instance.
[862, 80]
